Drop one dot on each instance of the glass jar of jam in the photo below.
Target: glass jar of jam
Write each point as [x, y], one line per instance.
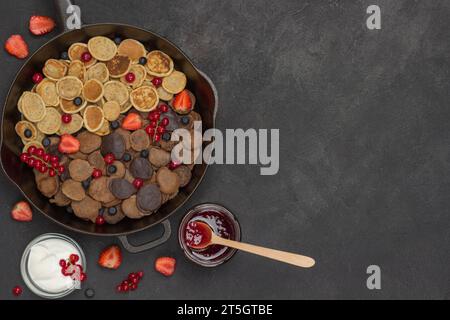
[221, 221]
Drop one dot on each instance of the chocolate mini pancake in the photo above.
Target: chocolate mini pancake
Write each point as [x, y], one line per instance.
[149, 198]
[78, 155]
[113, 203]
[113, 143]
[76, 50]
[116, 91]
[77, 69]
[132, 49]
[102, 48]
[168, 145]
[117, 217]
[93, 90]
[139, 140]
[141, 168]
[168, 181]
[73, 190]
[68, 106]
[118, 66]
[86, 209]
[96, 161]
[93, 118]
[54, 69]
[158, 157]
[159, 64]
[98, 71]
[121, 188]
[69, 87]
[130, 208]
[89, 142]
[98, 189]
[144, 98]
[48, 186]
[38, 177]
[116, 170]
[126, 136]
[60, 199]
[184, 173]
[47, 90]
[21, 128]
[80, 170]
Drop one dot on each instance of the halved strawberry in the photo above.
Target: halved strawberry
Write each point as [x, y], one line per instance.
[165, 265]
[16, 46]
[182, 102]
[132, 122]
[40, 25]
[68, 144]
[22, 211]
[110, 258]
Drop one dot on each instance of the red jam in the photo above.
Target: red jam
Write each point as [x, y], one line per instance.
[195, 236]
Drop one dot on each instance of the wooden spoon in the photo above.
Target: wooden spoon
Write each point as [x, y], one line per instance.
[205, 237]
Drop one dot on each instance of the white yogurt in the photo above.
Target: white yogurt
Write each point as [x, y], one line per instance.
[43, 264]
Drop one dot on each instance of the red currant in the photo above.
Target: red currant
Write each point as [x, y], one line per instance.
[46, 157]
[74, 258]
[17, 291]
[55, 165]
[135, 281]
[62, 263]
[157, 81]
[31, 149]
[51, 172]
[37, 77]
[97, 173]
[157, 137]
[133, 286]
[174, 164]
[132, 276]
[61, 169]
[39, 152]
[54, 158]
[125, 287]
[140, 274]
[163, 108]
[130, 77]
[160, 130]
[152, 116]
[99, 220]
[119, 288]
[43, 169]
[109, 158]
[31, 162]
[150, 131]
[37, 163]
[83, 276]
[153, 124]
[138, 183]
[86, 56]
[66, 118]
[24, 157]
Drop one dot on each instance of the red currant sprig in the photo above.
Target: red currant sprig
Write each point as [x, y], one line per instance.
[131, 283]
[158, 123]
[68, 267]
[43, 162]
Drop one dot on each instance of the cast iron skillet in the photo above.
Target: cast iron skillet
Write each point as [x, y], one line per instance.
[11, 145]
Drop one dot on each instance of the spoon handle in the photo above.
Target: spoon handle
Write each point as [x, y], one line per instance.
[283, 256]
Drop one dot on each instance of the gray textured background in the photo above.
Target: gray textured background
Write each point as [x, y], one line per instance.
[365, 167]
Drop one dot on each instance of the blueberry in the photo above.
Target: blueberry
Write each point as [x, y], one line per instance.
[77, 101]
[64, 55]
[27, 133]
[144, 153]
[112, 169]
[166, 136]
[89, 293]
[69, 209]
[117, 40]
[101, 211]
[46, 142]
[126, 157]
[115, 124]
[142, 60]
[185, 120]
[112, 211]
[86, 183]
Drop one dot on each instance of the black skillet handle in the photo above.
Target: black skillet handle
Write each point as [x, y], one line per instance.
[149, 245]
[69, 14]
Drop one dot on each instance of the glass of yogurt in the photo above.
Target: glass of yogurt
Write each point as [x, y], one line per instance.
[40, 267]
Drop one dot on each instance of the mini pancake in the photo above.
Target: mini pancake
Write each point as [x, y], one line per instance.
[80, 170]
[47, 90]
[148, 198]
[159, 64]
[139, 73]
[69, 87]
[60, 199]
[113, 143]
[116, 91]
[93, 118]
[86, 209]
[96, 161]
[73, 126]
[158, 157]
[132, 49]
[78, 155]
[139, 140]
[51, 122]
[141, 168]
[113, 203]
[73, 190]
[163, 94]
[98, 190]
[93, 90]
[130, 209]
[102, 48]
[98, 71]
[54, 69]
[23, 125]
[175, 82]
[76, 50]
[48, 186]
[104, 129]
[126, 137]
[118, 66]
[116, 218]
[144, 98]
[127, 106]
[32, 106]
[67, 106]
[168, 145]
[77, 69]
[111, 110]
[168, 181]
[120, 170]
[89, 142]
[184, 173]
[121, 188]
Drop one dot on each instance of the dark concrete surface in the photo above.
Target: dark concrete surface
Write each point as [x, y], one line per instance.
[364, 120]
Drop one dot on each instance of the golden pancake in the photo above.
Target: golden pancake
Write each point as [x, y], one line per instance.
[116, 91]
[132, 49]
[51, 123]
[104, 129]
[98, 71]
[77, 69]
[93, 118]
[144, 98]
[69, 87]
[54, 69]
[32, 106]
[102, 48]
[159, 64]
[163, 94]
[125, 107]
[118, 66]
[23, 125]
[73, 126]
[175, 82]
[76, 50]
[111, 110]
[139, 73]
[67, 106]
[93, 90]
[47, 90]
